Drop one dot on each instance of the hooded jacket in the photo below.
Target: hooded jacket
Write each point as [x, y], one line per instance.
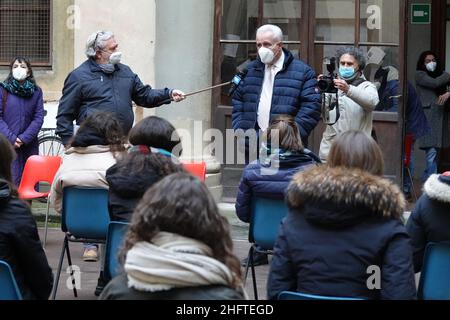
[430, 218]
[81, 166]
[260, 179]
[341, 224]
[21, 248]
[126, 190]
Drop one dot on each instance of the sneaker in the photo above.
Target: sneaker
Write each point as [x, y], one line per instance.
[90, 255]
[259, 259]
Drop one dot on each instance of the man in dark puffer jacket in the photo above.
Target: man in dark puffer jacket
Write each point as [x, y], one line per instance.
[276, 84]
[102, 83]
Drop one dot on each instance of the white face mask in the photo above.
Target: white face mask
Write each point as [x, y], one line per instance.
[431, 66]
[266, 55]
[115, 57]
[20, 73]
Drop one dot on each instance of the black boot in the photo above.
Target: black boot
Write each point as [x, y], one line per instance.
[259, 259]
[101, 283]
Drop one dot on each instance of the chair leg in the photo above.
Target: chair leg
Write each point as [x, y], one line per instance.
[69, 260]
[255, 288]
[250, 253]
[46, 223]
[412, 184]
[58, 272]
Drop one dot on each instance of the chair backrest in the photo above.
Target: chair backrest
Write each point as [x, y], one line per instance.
[434, 281]
[291, 295]
[116, 234]
[409, 139]
[38, 169]
[266, 216]
[197, 169]
[8, 286]
[85, 212]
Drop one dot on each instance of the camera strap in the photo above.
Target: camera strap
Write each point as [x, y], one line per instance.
[358, 81]
[330, 102]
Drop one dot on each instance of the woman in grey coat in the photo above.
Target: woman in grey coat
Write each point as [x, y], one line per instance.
[431, 83]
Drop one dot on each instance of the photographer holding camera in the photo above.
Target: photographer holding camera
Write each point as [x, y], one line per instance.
[352, 103]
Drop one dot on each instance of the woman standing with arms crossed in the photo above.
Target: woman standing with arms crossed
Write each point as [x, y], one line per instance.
[21, 113]
[431, 83]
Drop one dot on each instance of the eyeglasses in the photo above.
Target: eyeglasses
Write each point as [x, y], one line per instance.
[96, 37]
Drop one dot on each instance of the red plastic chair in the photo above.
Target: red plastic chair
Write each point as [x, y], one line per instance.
[197, 169]
[38, 169]
[409, 140]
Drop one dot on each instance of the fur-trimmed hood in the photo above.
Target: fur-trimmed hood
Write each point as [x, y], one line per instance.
[436, 189]
[340, 197]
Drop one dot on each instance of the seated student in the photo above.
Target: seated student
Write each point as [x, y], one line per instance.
[269, 176]
[146, 163]
[178, 246]
[344, 218]
[430, 218]
[93, 149]
[20, 246]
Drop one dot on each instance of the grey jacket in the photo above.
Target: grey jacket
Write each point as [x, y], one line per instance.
[426, 86]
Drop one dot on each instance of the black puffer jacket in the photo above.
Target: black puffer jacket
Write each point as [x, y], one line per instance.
[126, 190]
[21, 248]
[430, 218]
[340, 223]
[88, 89]
[118, 289]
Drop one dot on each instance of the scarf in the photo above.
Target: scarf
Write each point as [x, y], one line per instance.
[108, 68]
[173, 261]
[24, 90]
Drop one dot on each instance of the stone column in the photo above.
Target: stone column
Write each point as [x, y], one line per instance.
[183, 60]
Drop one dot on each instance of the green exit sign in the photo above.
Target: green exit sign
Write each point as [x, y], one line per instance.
[420, 13]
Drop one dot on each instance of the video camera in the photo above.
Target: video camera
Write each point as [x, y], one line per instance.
[329, 93]
[326, 84]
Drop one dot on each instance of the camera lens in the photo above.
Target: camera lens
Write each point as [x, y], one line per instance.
[323, 84]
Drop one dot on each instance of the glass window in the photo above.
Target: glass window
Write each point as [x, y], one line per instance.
[241, 19]
[335, 20]
[380, 21]
[25, 31]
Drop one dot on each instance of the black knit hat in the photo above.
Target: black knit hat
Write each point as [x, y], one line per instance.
[445, 178]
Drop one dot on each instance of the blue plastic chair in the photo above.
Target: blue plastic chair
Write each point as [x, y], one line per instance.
[85, 218]
[434, 281]
[116, 234]
[291, 295]
[266, 216]
[8, 286]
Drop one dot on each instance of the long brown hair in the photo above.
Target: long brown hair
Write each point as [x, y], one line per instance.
[100, 128]
[288, 134]
[182, 204]
[355, 149]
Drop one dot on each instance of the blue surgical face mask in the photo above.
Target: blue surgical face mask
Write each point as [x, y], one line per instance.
[346, 72]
